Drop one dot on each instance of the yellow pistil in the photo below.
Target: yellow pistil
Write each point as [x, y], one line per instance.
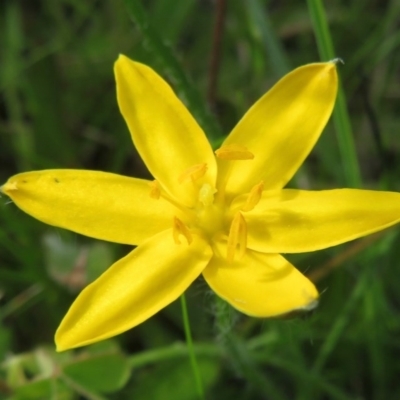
[206, 194]
[254, 197]
[180, 229]
[234, 152]
[237, 237]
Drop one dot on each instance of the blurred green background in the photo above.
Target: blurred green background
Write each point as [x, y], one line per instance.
[58, 110]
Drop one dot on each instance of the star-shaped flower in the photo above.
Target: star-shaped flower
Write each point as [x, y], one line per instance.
[225, 216]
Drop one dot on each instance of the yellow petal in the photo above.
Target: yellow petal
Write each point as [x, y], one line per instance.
[261, 285]
[294, 221]
[132, 290]
[167, 137]
[98, 204]
[281, 128]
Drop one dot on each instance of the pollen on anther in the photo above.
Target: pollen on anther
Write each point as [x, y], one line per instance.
[234, 152]
[155, 191]
[237, 239]
[193, 173]
[253, 197]
[180, 229]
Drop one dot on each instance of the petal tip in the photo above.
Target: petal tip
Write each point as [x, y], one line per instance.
[311, 297]
[8, 187]
[337, 61]
[60, 345]
[121, 59]
[309, 306]
[64, 340]
[60, 348]
[64, 343]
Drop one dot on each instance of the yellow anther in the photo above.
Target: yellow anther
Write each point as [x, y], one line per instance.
[193, 173]
[234, 152]
[254, 197]
[155, 191]
[206, 194]
[180, 229]
[237, 237]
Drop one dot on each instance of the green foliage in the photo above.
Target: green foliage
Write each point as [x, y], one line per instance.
[102, 373]
[58, 110]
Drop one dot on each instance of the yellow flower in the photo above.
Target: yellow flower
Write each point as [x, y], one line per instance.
[225, 216]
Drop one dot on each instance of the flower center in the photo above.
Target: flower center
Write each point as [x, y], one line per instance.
[210, 216]
[205, 217]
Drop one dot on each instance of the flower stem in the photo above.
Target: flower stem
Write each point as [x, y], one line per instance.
[189, 341]
[340, 114]
[237, 352]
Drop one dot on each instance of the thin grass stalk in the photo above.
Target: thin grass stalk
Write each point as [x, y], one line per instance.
[192, 354]
[341, 119]
[173, 69]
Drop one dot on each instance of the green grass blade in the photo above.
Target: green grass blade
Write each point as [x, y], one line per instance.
[13, 43]
[192, 355]
[341, 117]
[263, 29]
[173, 69]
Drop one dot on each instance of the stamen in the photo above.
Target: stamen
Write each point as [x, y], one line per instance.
[234, 152]
[193, 173]
[237, 237]
[180, 229]
[206, 194]
[254, 197]
[155, 191]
